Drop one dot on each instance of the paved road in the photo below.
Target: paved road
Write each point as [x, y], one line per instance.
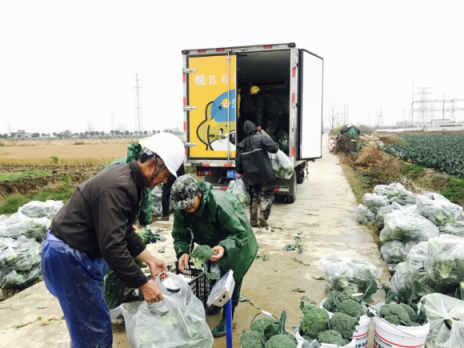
[323, 216]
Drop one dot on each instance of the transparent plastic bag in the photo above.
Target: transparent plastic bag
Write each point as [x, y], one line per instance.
[394, 252]
[446, 318]
[389, 191]
[20, 254]
[341, 272]
[374, 202]
[364, 215]
[283, 140]
[238, 189]
[403, 279]
[281, 164]
[177, 321]
[157, 197]
[440, 211]
[403, 226]
[416, 257]
[444, 262]
[382, 211]
[35, 209]
[405, 198]
[20, 225]
[21, 280]
[455, 228]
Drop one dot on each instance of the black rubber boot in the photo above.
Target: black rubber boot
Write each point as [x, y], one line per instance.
[220, 330]
[165, 216]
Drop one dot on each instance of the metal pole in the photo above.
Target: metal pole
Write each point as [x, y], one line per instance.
[230, 105]
[228, 309]
[443, 109]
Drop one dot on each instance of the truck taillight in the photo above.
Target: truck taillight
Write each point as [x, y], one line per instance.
[220, 49]
[266, 47]
[201, 51]
[291, 45]
[204, 173]
[185, 52]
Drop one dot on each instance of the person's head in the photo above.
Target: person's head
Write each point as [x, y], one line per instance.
[254, 90]
[186, 194]
[162, 156]
[249, 128]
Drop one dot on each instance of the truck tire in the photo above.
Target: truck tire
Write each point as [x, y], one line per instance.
[291, 197]
[300, 173]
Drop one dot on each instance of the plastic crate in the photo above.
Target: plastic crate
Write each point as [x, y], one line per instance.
[200, 285]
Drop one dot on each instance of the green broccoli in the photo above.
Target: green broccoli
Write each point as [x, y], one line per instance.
[331, 337]
[342, 282]
[307, 308]
[396, 314]
[252, 339]
[201, 254]
[344, 324]
[261, 324]
[329, 304]
[411, 312]
[314, 321]
[346, 294]
[351, 308]
[280, 341]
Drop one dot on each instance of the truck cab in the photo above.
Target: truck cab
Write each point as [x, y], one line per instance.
[215, 109]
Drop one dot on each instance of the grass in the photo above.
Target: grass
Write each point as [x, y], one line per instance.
[13, 202]
[23, 175]
[47, 162]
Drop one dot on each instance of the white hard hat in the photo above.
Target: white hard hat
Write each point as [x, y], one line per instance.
[169, 147]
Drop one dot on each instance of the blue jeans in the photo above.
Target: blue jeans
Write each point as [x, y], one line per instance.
[76, 279]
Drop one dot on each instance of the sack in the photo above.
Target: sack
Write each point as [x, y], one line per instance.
[390, 191]
[374, 202]
[455, 228]
[364, 215]
[238, 189]
[403, 226]
[176, 322]
[394, 252]
[36, 209]
[446, 318]
[440, 211]
[281, 164]
[20, 225]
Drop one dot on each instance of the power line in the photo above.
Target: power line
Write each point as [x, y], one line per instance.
[138, 107]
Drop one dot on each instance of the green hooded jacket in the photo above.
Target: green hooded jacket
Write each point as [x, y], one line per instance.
[220, 221]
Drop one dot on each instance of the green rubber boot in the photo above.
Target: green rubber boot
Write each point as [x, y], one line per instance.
[220, 330]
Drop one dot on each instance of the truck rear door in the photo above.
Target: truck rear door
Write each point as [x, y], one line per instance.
[309, 115]
[211, 101]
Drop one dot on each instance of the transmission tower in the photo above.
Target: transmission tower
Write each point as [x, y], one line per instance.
[380, 123]
[9, 128]
[424, 109]
[138, 108]
[112, 120]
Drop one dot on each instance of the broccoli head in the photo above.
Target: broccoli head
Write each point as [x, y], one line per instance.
[346, 294]
[308, 308]
[329, 304]
[252, 339]
[280, 341]
[396, 314]
[261, 324]
[342, 282]
[314, 321]
[331, 337]
[344, 324]
[201, 254]
[411, 312]
[351, 308]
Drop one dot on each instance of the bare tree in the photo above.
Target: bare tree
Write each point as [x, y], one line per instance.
[333, 114]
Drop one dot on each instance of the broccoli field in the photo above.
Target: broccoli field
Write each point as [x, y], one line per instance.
[442, 152]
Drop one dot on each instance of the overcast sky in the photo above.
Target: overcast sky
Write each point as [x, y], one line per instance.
[65, 64]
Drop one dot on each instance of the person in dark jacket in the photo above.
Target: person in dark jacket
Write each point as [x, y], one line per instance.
[165, 198]
[94, 230]
[254, 165]
[270, 112]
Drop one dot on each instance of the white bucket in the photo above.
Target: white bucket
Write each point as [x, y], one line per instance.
[300, 341]
[394, 336]
[361, 335]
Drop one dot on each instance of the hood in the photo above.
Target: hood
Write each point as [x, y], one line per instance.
[249, 127]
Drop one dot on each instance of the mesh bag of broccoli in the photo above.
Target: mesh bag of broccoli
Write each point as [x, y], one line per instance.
[455, 228]
[439, 211]
[444, 262]
[156, 198]
[341, 272]
[20, 225]
[374, 202]
[37, 209]
[364, 215]
[238, 189]
[403, 226]
[446, 318]
[281, 164]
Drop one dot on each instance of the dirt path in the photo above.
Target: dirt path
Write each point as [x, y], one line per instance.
[324, 215]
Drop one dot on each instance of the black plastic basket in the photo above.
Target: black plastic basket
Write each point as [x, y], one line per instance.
[200, 285]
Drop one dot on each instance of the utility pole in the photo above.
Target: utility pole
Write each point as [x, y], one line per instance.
[443, 109]
[380, 123]
[112, 120]
[138, 108]
[9, 128]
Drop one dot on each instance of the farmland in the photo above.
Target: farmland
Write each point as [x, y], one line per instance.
[442, 152]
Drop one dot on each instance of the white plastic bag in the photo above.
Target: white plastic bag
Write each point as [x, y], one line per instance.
[374, 202]
[446, 318]
[440, 211]
[281, 164]
[21, 225]
[35, 209]
[239, 190]
[364, 215]
[403, 226]
[176, 322]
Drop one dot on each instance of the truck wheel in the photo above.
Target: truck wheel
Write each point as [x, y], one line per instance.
[300, 173]
[291, 197]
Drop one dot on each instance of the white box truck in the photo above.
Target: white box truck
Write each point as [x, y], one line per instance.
[213, 117]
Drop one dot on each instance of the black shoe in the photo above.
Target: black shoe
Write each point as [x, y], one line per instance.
[213, 310]
[163, 218]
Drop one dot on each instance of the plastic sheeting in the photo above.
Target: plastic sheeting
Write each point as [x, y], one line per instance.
[374, 202]
[157, 200]
[382, 211]
[364, 215]
[455, 228]
[20, 225]
[238, 189]
[440, 211]
[177, 321]
[389, 191]
[444, 262]
[281, 164]
[340, 272]
[403, 226]
[394, 252]
[37, 209]
[446, 318]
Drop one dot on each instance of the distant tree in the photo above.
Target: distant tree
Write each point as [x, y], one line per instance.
[35, 135]
[126, 133]
[145, 132]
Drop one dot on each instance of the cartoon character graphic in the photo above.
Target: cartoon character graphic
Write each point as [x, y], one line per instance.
[217, 131]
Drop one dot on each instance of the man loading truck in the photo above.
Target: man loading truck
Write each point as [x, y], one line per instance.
[94, 230]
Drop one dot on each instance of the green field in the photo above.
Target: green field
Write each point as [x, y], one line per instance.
[443, 152]
[23, 175]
